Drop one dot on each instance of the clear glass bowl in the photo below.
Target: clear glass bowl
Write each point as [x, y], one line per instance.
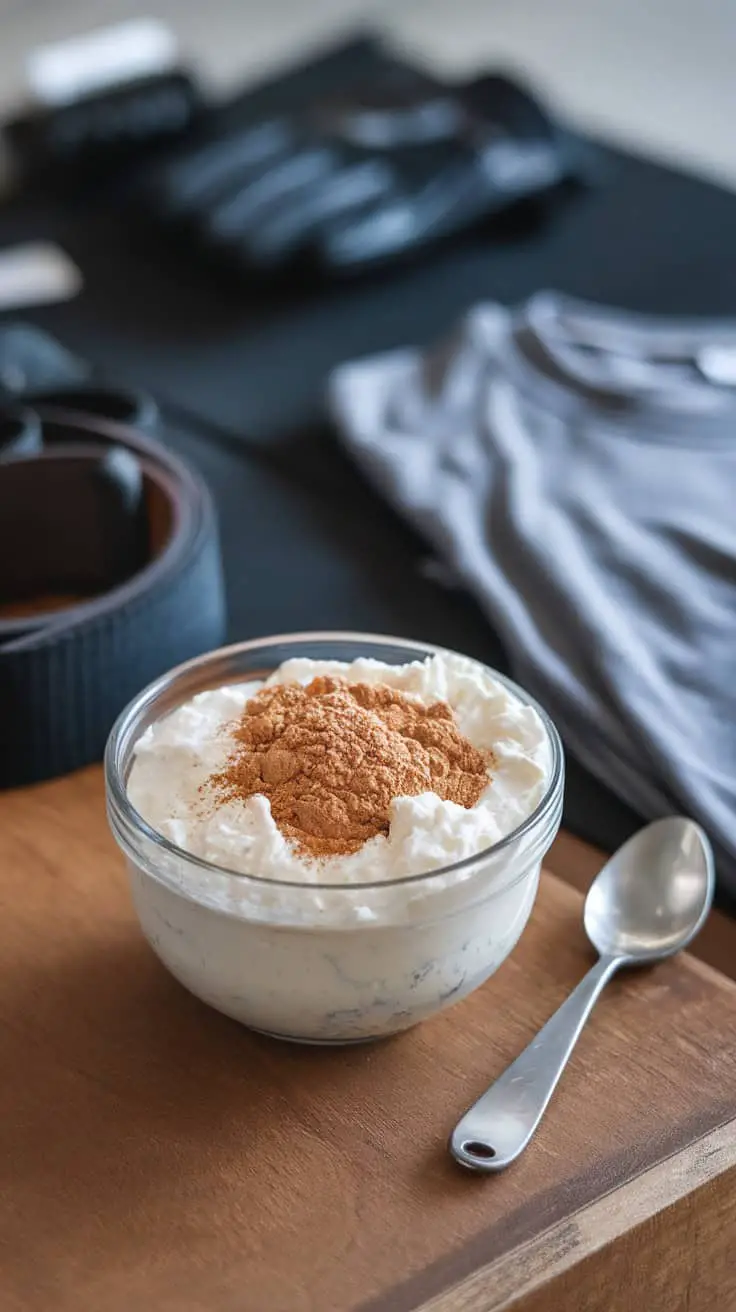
[322, 963]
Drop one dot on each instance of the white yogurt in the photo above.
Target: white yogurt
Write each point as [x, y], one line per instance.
[177, 755]
[312, 952]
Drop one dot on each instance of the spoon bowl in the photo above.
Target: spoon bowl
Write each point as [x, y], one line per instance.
[651, 898]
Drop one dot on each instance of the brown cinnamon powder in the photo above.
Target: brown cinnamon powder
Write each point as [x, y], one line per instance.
[331, 757]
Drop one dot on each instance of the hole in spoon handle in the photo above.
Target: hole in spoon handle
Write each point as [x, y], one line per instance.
[476, 1154]
[477, 1149]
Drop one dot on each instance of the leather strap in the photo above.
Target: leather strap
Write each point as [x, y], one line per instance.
[110, 574]
[117, 404]
[20, 434]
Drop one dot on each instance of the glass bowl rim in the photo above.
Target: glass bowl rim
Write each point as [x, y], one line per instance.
[119, 801]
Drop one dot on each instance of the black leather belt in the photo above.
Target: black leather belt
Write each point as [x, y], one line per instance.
[110, 573]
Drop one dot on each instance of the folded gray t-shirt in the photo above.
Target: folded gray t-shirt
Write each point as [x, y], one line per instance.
[576, 468]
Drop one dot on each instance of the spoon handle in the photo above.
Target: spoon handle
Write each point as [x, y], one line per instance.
[498, 1127]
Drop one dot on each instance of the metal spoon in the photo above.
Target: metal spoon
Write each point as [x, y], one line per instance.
[647, 903]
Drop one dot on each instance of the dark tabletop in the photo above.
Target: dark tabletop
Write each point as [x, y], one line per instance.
[241, 371]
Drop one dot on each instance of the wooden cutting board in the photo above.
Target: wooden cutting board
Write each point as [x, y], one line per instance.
[156, 1156]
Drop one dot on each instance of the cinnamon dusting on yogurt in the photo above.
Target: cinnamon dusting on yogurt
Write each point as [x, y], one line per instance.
[332, 756]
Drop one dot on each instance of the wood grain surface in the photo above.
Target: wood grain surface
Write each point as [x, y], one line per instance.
[155, 1155]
